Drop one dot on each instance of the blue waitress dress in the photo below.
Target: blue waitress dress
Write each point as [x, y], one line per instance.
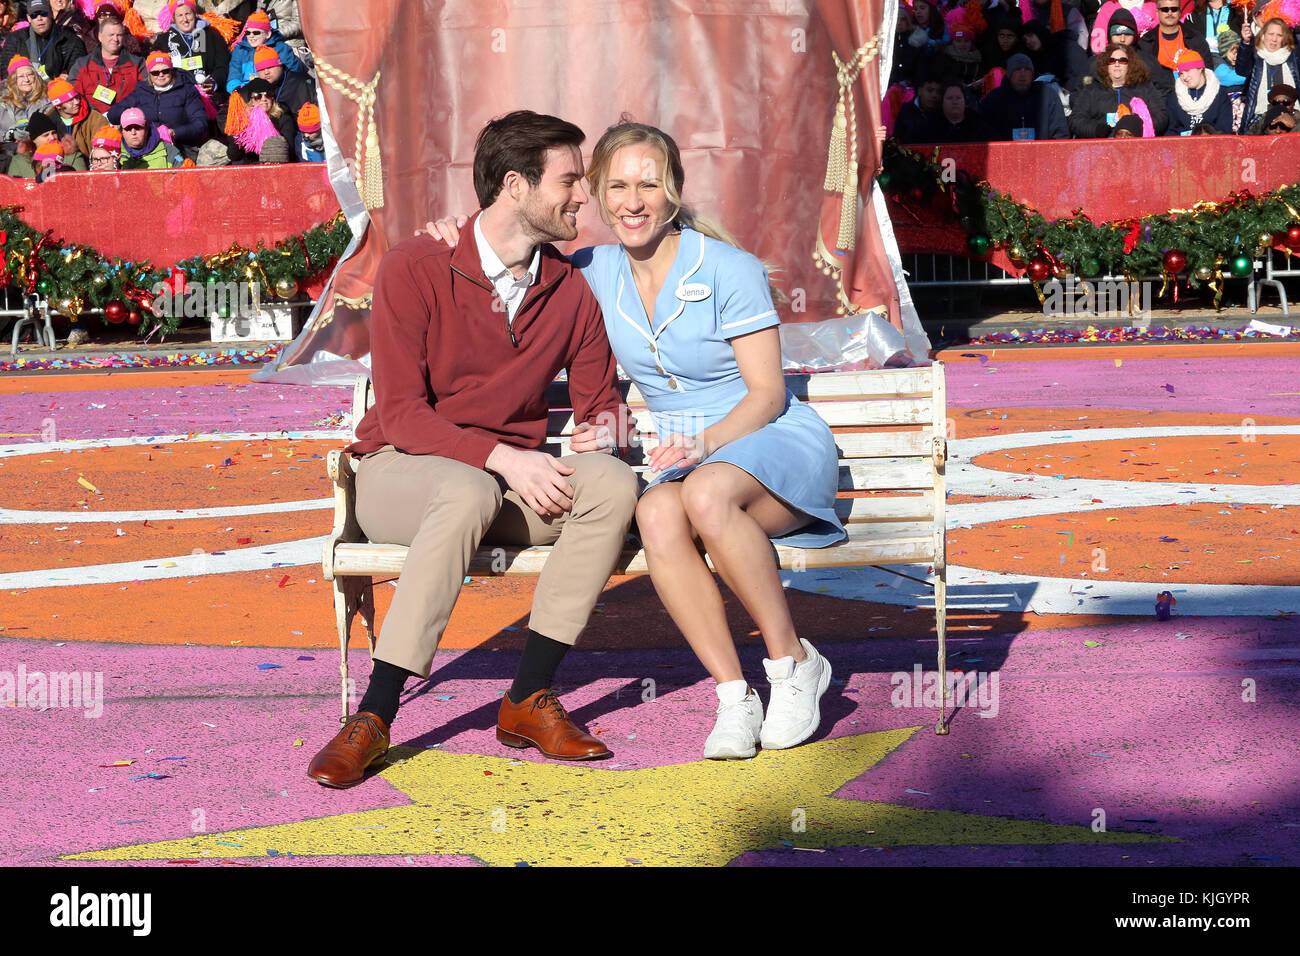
[685, 367]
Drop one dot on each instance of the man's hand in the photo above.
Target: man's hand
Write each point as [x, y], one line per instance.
[536, 477]
[447, 229]
[588, 437]
[677, 451]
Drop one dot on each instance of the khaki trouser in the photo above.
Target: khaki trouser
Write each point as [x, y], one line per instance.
[442, 509]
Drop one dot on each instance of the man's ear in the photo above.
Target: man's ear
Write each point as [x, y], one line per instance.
[514, 185]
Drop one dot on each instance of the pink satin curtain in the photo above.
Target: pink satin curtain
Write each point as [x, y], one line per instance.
[746, 87]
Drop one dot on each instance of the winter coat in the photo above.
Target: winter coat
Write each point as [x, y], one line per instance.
[209, 46]
[1253, 67]
[1092, 101]
[1161, 75]
[241, 61]
[1039, 108]
[972, 129]
[57, 52]
[22, 167]
[284, 18]
[16, 117]
[89, 73]
[82, 128]
[1219, 114]
[180, 109]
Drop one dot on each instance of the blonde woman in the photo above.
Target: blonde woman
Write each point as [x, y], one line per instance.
[1267, 62]
[22, 96]
[740, 462]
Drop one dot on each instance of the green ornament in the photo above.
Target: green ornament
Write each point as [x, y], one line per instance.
[1242, 266]
[1090, 266]
[211, 279]
[45, 285]
[978, 244]
[884, 179]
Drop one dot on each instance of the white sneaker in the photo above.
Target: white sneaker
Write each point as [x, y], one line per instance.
[740, 718]
[794, 710]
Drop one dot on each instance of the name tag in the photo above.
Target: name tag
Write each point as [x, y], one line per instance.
[1186, 132]
[1023, 132]
[694, 292]
[104, 94]
[191, 63]
[1112, 119]
[40, 68]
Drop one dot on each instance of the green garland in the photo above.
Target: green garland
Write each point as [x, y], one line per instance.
[1214, 236]
[75, 277]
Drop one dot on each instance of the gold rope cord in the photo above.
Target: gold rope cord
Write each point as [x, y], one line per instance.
[842, 166]
[369, 172]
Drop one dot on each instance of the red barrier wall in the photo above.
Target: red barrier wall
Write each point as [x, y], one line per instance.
[1110, 179]
[168, 215]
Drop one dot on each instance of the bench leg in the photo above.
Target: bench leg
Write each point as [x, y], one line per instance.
[367, 606]
[941, 630]
[343, 622]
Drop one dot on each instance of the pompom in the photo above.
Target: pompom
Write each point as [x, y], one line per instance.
[259, 128]
[236, 114]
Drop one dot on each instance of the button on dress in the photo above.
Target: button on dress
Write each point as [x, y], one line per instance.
[684, 364]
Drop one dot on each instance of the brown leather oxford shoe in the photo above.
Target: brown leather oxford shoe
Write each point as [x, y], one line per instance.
[541, 721]
[343, 761]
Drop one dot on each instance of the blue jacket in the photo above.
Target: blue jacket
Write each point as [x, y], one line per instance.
[1248, 64]
[180, 109]
[1219, 114]
[241, 60]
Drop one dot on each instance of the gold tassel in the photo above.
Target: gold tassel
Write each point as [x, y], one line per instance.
[369, 169]
[374, 185]
[836, 161]
[842, 164]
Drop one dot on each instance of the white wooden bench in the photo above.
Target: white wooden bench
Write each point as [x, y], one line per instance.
[890, 429]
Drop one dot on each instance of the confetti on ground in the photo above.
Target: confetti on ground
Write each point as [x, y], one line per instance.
[140, 360]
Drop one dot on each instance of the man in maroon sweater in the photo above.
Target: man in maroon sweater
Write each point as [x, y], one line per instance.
[464, 342]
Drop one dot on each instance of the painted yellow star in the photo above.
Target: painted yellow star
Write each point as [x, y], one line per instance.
[706, 813]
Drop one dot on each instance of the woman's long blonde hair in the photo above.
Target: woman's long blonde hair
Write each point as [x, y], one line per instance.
[12, 96]
[628, 133]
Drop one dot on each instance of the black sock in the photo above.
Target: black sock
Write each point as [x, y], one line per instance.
[386, 684]
[542, 656]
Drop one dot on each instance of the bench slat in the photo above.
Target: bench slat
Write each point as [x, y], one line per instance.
[886, 383]
[892, 543]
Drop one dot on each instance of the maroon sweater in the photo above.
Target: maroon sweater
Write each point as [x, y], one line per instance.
[449, 381]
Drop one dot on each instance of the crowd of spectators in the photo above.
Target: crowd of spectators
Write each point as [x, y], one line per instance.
[87, 85]
[986, 70]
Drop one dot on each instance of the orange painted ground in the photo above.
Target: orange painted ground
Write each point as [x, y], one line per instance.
[1213, 544]
[111, 380]
[156, 477]
[980, 422]
[252, 609]
[1219, 460]
[31, 547]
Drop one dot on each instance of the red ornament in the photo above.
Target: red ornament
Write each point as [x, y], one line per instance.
[176, 280]
[1293, 234]
[133, 317]
[916, 194]
[4, 237]
[1175, 261]
[1038, 269]
[115, 312]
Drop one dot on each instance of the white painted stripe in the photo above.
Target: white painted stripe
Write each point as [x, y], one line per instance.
[83, 444]
[971, 447]
[11, 516]
[975, 589]
[287, 554]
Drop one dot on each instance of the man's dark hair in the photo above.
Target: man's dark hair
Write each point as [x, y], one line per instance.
[517, 141]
